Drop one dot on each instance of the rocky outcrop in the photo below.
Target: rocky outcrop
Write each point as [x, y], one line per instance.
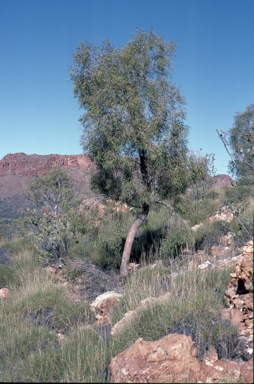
[103, 306]
[222, 180]
[224, 215]
[21, 164]
[239, 297]
[242, 277]
[173, 359]
[221, 215]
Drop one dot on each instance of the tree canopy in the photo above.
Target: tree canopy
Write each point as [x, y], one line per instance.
[241, 138]
[134, 123]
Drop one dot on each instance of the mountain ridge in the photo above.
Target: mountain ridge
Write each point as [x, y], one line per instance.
[16, 171]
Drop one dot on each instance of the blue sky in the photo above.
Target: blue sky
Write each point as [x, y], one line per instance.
[214, 66]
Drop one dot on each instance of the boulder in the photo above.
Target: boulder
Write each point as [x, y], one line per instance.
[4, 292]
[227, 240]
[92, 204]
[171, 359]
[205, 266]
[247, 371]
[219, 250]
[174, 359]
[239, 297]
[103, 306]
[243, 274]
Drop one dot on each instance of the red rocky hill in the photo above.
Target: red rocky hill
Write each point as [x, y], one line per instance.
[16, 170]
[222, 180]
[21, 164]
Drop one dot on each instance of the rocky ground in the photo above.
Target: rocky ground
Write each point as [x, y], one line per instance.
[173, 357]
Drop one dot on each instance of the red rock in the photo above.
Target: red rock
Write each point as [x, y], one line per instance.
[4, 292]
[51, 270]
[219, 251]
[247, 372]
[221, 180]
[211, 355]
[36, 165]
[171, 359]
[235, 316]
[223, 216]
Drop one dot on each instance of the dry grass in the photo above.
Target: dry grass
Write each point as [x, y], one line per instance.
[37, 307]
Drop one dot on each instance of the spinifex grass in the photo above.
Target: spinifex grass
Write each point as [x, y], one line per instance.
[30, 317]
[194, 308]
[83, 357]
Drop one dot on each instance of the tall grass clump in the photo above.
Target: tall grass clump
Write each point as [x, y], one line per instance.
[81, 358]
[198, 211]
[30, 317]
[178, 236]
[194, 308]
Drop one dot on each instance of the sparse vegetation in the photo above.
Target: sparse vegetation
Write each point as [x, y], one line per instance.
[134, 131]
[38, 307]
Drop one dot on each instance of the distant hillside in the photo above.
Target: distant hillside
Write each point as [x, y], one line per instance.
[16, 170]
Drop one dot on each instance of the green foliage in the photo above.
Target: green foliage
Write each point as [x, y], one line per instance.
[18, 245]
[207, 235]
[241, 138]
[48, 227]
[238, 194]
[53, 191]
[133, 125]
[241, 144]
[242, 226]
[201, 188]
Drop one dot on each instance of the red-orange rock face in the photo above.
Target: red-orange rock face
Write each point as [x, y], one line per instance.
[221, 180]
[21, 164]
[171, 359]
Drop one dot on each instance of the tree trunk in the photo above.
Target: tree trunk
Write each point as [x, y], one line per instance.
[130, 238]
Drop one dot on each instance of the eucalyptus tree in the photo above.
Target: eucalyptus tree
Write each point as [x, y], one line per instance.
[133, 125]
[241, 144]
